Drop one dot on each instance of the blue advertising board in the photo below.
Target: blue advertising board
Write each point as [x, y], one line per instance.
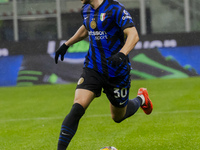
[9, 68]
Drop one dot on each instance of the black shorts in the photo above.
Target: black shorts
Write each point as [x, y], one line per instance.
[115, 88]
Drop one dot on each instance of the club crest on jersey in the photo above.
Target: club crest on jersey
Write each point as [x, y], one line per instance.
[93, 24]
[102, 16]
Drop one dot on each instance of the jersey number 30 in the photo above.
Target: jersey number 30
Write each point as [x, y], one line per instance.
[120, 93]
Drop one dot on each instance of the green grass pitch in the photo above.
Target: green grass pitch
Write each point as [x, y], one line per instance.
[31, 117]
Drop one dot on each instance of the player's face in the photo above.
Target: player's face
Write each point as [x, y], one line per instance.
[85, 1]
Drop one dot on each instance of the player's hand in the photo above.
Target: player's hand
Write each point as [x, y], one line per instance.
[61, 51]
[117, 59]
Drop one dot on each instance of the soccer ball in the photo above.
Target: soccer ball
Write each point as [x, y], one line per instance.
[108, 148]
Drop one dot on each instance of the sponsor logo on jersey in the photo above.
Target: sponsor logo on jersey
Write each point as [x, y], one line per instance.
[125, 12]
[99, 35]
[126, 15]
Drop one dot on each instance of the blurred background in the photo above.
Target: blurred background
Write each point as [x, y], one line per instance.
[31, 31]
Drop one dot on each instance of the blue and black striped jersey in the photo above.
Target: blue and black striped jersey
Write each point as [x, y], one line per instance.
[105, 27]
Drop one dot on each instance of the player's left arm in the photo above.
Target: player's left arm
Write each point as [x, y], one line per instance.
[132, 39]
[127, 25]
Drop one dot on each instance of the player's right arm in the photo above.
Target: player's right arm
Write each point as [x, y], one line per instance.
[80, 34]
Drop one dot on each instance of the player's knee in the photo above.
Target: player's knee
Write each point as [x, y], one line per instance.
[77, 110]
[116, 119]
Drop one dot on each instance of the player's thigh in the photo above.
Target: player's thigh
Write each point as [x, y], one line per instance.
[84, 97]
[118, 96]
[90, 80]
[117, 91]
[88, 87]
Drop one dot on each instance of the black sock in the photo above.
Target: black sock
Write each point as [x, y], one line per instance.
[132, 107]
[70, 125]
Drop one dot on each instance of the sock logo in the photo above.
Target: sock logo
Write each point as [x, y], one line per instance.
[63, 133]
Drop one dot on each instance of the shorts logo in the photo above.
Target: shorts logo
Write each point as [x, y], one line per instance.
[121, 103]
[80, 81]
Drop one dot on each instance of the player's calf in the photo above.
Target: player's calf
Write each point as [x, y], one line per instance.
[70, 125]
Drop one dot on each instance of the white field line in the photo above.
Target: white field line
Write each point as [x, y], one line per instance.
[90, 116]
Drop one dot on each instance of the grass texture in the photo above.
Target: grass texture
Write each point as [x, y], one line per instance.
[31, 117]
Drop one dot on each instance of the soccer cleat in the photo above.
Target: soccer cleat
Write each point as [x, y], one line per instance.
[147, 105]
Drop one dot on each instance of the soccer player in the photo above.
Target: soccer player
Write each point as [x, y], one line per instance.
[106, 65]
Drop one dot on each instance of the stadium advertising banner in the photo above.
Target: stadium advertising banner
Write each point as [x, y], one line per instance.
[158, 56]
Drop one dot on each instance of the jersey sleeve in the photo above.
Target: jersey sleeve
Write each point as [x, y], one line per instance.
[123, 18]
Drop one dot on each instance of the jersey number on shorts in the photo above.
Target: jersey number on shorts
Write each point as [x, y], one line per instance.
[120, 93]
